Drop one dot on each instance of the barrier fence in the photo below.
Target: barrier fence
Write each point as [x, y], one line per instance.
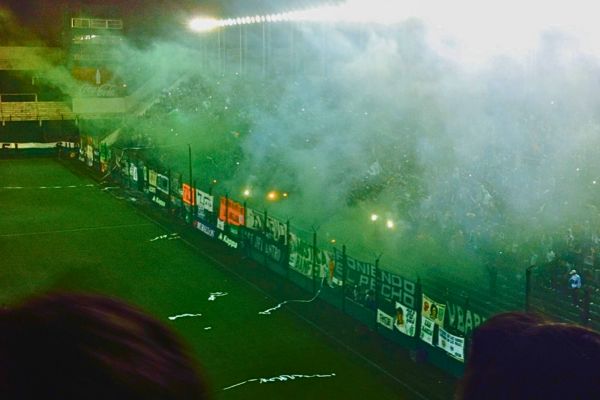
[396, 307]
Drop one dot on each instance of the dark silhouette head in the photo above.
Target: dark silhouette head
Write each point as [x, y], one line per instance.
[522, 356]
[73, 346]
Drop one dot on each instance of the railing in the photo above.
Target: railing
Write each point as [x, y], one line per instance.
[12, 97]
[35, 111]
[96, 23]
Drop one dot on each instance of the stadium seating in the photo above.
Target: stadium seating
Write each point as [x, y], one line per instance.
[35, 111]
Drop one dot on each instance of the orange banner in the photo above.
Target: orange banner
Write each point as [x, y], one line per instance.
[187, 195]
[234, 210]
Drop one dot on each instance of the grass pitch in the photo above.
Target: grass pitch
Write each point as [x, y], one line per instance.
[59, 230]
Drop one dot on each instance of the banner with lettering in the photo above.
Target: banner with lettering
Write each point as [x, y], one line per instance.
[162, 183]
[453, 345]
[360, 280]
[301, 256]
[427, 327]
[256, 240]
[362, 277]
[205, 228]
[405, 320]
[395, 287]
[433, 310]
[385, 319]
[234, 211]
[187, 194]
[462, 319]
[204, 202]
[275, 229]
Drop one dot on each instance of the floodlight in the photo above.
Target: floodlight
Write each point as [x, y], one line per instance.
[203, 24]
[272, 195]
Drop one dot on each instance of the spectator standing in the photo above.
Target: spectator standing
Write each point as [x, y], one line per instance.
[575, 285]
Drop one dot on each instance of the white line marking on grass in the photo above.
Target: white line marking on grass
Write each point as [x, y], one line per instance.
[174, 317]
[280, 378]
[92, 228]
[44, 187]
[213, 296]
[316, 327]
[170, 236]
[278, 306]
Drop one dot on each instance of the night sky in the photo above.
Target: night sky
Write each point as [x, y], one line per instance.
[44, 20]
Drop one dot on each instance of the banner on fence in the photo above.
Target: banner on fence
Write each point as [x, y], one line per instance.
[434, 311]
[301, 256]
[385, 319]
[427, 327]
[234, 211]
[205, 228]
[453, 345]
[406, 320]
[257, 241]
[152, 179]
[275, 230]
[363, 277]
[133, 172]
[395, 287]
[228, 240]
[461, 319]
[204, 202]
[186, 195]
[162, 183]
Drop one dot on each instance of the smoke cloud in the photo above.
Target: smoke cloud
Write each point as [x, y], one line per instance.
[468, 144]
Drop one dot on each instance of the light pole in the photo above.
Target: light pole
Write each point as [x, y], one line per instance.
[192, 190]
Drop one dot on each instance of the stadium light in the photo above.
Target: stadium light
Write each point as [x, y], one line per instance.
[204, 24]
[374, 217]
[390, 224]
[246, 193]
[272, 195]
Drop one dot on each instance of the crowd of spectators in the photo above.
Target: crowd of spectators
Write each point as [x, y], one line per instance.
[467, 210]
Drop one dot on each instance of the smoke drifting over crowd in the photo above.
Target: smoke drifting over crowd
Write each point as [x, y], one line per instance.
[474, 137]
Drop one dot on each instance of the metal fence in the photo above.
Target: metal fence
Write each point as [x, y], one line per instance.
[398, 308]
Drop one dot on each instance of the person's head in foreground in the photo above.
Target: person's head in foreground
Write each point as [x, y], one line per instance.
[74, 346]
[522, 356]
